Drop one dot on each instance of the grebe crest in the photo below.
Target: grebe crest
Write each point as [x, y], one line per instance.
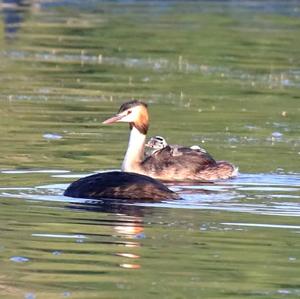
[136, 114]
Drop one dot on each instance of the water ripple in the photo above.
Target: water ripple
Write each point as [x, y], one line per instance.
[280, 79]
[265, 194]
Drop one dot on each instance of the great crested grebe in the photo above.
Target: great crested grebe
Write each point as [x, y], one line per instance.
[120, 185]
[186, 165]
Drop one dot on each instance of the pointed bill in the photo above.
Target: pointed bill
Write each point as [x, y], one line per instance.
[113, 119]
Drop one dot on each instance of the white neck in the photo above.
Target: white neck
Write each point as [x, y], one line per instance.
[135, 151]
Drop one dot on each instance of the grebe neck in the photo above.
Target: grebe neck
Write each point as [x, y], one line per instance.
[135, 151]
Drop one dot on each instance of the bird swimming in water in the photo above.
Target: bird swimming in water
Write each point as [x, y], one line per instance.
[163, 164]
[120, 185]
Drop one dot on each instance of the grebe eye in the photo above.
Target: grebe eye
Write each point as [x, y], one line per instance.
[128, 112]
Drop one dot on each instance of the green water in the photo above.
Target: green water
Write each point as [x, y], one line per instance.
[221, 74]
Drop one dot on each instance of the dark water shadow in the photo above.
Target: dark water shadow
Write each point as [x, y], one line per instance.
[112, 207]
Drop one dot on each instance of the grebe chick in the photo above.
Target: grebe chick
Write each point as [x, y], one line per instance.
[190, 164]
[158, 142]
[120, 185]
[154, 144]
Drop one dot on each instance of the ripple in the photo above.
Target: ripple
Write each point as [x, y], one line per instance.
[52, 136]
[263, 225]
[26, 171]
[276, 79]
[264, 194]
[19, 259]
[63, 236]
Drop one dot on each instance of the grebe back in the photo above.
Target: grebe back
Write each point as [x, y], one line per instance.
[120, 185]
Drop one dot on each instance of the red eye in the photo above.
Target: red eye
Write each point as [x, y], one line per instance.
[128, 112]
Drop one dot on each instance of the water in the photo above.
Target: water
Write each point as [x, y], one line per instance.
[221, 74]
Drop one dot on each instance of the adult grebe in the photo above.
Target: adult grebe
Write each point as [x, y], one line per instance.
[163, 164]
[120, 185]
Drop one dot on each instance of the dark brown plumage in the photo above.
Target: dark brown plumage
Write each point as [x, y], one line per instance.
[120, 185]
[185, 164]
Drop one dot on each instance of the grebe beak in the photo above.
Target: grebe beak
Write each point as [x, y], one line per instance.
[113, 119]
[149, 144]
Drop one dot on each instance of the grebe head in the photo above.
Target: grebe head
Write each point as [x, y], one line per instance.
[157, 142]
[135, 113]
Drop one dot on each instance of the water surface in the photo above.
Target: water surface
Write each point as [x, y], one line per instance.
[221, 74]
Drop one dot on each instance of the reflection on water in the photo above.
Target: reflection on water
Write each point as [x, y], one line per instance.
[14, 12]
